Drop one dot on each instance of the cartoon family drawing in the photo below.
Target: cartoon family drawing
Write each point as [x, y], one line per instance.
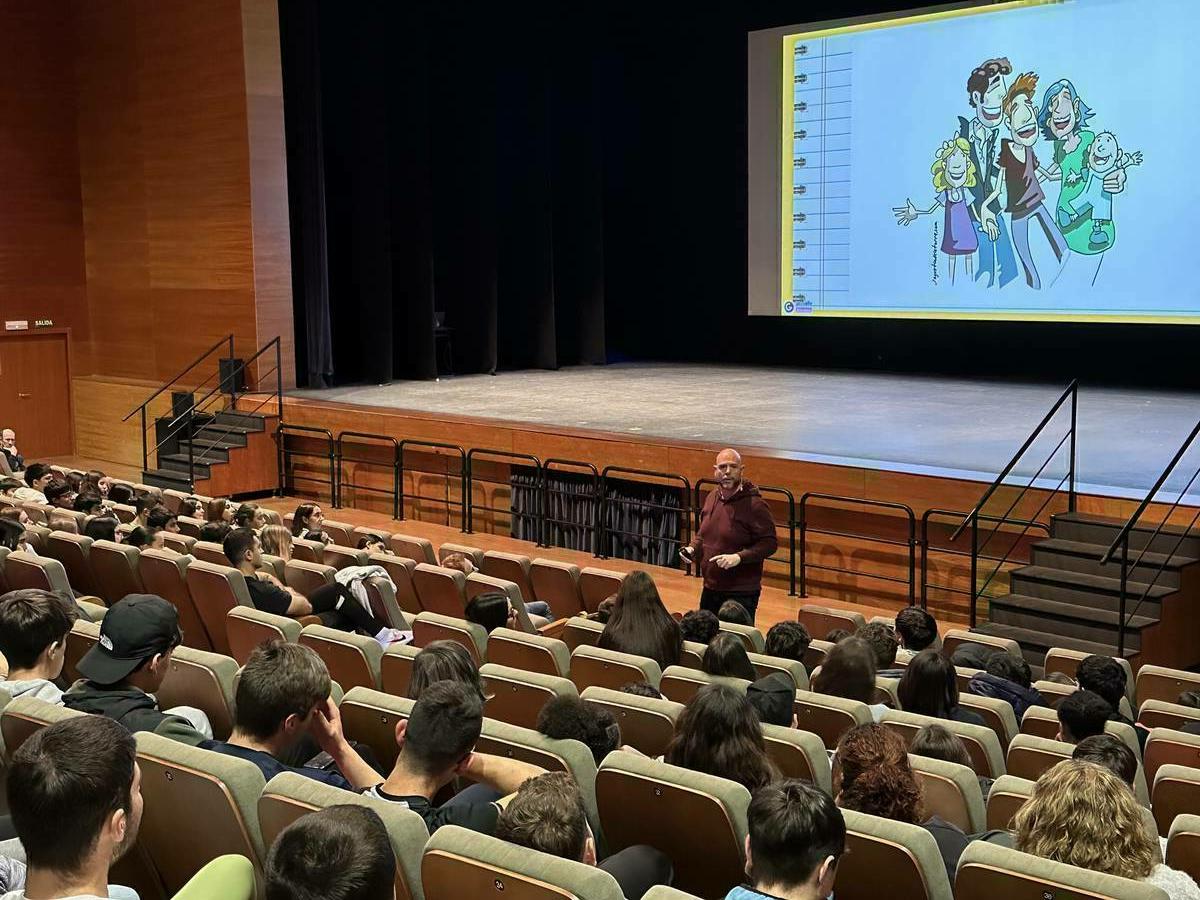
[990, 187]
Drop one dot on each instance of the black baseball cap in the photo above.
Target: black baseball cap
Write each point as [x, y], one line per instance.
[772, 697]
[133, 629]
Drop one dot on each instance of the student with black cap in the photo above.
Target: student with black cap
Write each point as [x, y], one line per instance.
[772, 697]
[123, 670]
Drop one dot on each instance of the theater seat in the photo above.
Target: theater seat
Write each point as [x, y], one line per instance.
[681, 685]
[180, 543]
[1162, 683]
[951, 791]
[118, 570]
[1028, 756]
[984, 748]
[516, 697]
[1066, 661]
[1167, 747]
[474, 554]
[766, 665]
[814, 656]
[483, 584]
[1007, 795]
[204, 680]
[228, 877]
[401, 571]
[381, 594]
[820, 620]
[691, 655]
[343, 557]
[396, 668]
[987, 871]
[215, 590]
[646, 723]
[885, 858]
[1183, 845]
[290, 796]
[352, 659]
[247, 627]
[529, 652]
[798, 754]
[1040, 721]
[25, 570]
[24, 716]
[1053, 692]
[829, 717]
[272, 565]
[165, 574]
[429, 627]
[442, 591]
[66, 520]
[340, 533]
[997, 714]
[557, 583]
[210, 551]
[80, 638]
[186, 784]
[1160, 714]
[307, 577]
[415, 548]
[595, 667]
[956, 637]
[579, 631]
[461, 863]
[190, 526]
[597, 585]
[1176, 792]
[369, 717]
[308, 551]
[751, 638]
[74, 552]
[643, 801]
[511, 567]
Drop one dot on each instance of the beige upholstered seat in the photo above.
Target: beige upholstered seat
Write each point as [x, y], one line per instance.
[752, 639]
[25, 570]
[180, 543]
[820, 620]
[164, 573]
[889, 858]
[798, 754]
[210, 551]
[204, 680]
[1183, 844]
[579, 631]
[516, 697]
[118, 570]
[353, 660]
[429, 627]
[681, 684]
[478, 583]
[307, 577]
[370, 717]
[80, 638]
[1007, 795]
[829, 717]
[557, 583]
[24, 716]
[395, 668]
[304, 550]
[597, 585]
[1162, 683]
[190, 526]
[415, 548]
[997, 714]
[951, 791]
[955, 638]
[74, 552]
[442, 591]
[646, 723]
[289, 796]
[400, 570]
[1029, 756]
[1167, 747]
[474, 554]
[987, 871]
[340, 533]
[215, 590]
[511, 567]
[987, 755]
[1176, 792]
[593, 666]
[643, 801]
[385, 606]
[247, 627]
[1161, 714]
[691, 655]
[530, 652]
[1066, 661]
[765, 665]
[341, 557]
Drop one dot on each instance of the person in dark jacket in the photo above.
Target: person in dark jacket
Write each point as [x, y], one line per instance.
[736, 534]
[123, 670]
[1007, 677]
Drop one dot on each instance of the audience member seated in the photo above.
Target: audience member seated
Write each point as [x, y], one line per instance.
[726, 657]
[33, 635]
[538, 609]
[772, 697]
[930, 688]
[60, 495]
[373, 543]
[974, 656]
[336, 853]
[718, 733]
[12, 536]
[276, 541]
[642, 689]
[191, 507]
[640, 624]
[282, 698]
[1190, 699]
[89, 503]
[443, 661]
[97, 482]
[102, 528]
[1112, 753]
[142, 504]
[218, 510]
[307, 521]
[938, 742]
[699, 626]
[146, 538]
[604, 610]
[1007, 678]
[120, 493]
[547, 815]
[10, 485]
[74, 793]
[490, 611]
[796, 837]
[437, 744]
[1082, 715]
[123, 670]
[1083, 815]
[882, 641]
[872, 774]
[849, 672]
[38, 477]
[163, 519]
[733, 612]
[1106, 677]
[570, 717]
[837, 635]
[249, 515]
[215, 532]
[788, 640]
[8, 446]
[334, 603]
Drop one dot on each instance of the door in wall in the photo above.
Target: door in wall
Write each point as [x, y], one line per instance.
[35, 391]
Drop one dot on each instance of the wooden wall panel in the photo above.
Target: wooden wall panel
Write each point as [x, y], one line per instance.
[100, 403]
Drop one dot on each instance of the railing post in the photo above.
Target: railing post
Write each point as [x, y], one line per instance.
[912, 561]
[803, 550]
[1074, 419]
[464, 486]
[281, 457]
[1124, 587]
[599, 549]
[188, 432]
[792, 550]
[974, 564]
[279, 377]
[544, 525]
[232, 378]
[925, 560]
[145, 456]
[400, 493]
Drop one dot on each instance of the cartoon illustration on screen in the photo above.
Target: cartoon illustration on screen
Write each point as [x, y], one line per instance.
[954, 175]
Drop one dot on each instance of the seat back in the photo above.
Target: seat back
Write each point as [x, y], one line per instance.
[429, 627]
[950, 791]
[752, 639]
[474, 554]
[442, 591]
[204, 680]
[381, 594]
[80, 639]
[400, 569]
[247, 627]
[1053, 692]
[646, 723]
[530, 652]
[1183, 845]
[882, 852]
[579, 631]
[829, 717]
[180, 543]
[820, 620]
[66, 520]
[304, 550]
[190, 526]
[511, 567]
[516, 697]
[215, 590]
[1029, 756]
[118, 570]
[691, 655]
[165, 574]
[681, 684]
[220, 791]
[594, 666]
[462, 863]
[289, 796]
[557, 583]
[370, 717]
[1167, 747]
[997, 714]
[25, 570]
[483, 584]
[1176, 792]
[25, 716]
[765, 665]
[415, 548]
[814, 656]
[210, 551]
[597, 585]
[643, 801]
[353, 660]
[1059, 659]
[341, 557]
[1006, 796]
[73, 551]
[987, 755]
[307, 577]
[954, 638]
[339, 532]
[1162, 683]
[798, 754]
[229, 877]
[395, 668]
[1160, 714]
[987, 871]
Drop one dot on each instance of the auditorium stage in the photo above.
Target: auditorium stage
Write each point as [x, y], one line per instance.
[964, 429]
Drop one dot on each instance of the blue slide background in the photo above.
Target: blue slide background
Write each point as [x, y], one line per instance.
[1132, 62]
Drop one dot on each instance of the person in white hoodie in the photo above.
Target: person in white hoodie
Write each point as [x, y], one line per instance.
[33, 635]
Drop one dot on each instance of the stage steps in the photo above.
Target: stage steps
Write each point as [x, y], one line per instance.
[230, 437]
[1066, 598]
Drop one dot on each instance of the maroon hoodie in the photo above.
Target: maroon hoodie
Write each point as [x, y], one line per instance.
[740, 523]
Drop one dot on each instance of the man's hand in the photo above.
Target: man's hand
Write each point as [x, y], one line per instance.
[726, 560]
[326, 728]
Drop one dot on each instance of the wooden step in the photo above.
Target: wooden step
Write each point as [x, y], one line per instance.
[167, 478]
[1034, 644]
[1070, 620]
[178, 462]
[1091, 529]
[1083, 589]
[1077, 556]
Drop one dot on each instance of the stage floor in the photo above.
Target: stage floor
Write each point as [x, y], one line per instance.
[952, 427]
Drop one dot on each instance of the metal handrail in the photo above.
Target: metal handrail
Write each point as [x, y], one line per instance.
[228, 339]
[281, 432]
[547, 467]
[684, 509]
[462, 476]
[909, 517]
[497, 454]
[342, 458]
[1072, 392]
[790, 525]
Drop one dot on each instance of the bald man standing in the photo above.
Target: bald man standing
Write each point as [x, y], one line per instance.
[736, 534]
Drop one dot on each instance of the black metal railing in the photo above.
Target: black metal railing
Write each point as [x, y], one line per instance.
[588, 527]
[610, 498]
[363, 440]
[788, 525]
[286, 476]
[483, 454]
[1162, 530]
[447, 500]
[1069, 399]
[909, 519]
